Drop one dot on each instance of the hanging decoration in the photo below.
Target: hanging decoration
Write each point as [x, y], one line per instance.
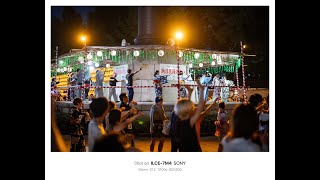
[119, 56]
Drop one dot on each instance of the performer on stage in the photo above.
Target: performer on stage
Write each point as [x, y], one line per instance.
[129, 82]
[216, 83]
[87, 82]
[182, 91]
[224, 90]
[72, 81]
[157, 83]
[79, 82]
[99, 80]
[205, 79]
[112, 91]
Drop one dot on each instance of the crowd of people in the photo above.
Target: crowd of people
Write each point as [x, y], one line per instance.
[110, 128]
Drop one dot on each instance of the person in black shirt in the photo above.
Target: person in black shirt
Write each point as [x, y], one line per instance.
[112, 91]
[130, 82]
[174, 119]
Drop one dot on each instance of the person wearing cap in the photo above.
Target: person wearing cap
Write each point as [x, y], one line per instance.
[112, 91]
[157, 119]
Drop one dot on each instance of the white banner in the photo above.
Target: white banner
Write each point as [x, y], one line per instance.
[172, 70]
[121, 72]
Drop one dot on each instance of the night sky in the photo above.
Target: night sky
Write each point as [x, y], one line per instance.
[57, 12]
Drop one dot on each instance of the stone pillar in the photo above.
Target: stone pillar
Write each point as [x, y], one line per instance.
[149, 26]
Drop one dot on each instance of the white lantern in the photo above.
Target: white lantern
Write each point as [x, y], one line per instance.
[180, 53]
[107, 65]
[89, 56]
[90, 63]
[80, 59]
[196, 55]
[190, 65]
[214, 56]
[96, 64]
[160, 53]
[64, 69]
[136, 53]
[58, 70]
[113, 53]
[69, 69]
[213, 63]
[99, 53]
[200, 64]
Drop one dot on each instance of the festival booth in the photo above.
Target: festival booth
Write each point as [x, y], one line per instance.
[169, 60]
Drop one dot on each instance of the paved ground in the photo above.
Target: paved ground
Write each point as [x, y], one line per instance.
[208, 143]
